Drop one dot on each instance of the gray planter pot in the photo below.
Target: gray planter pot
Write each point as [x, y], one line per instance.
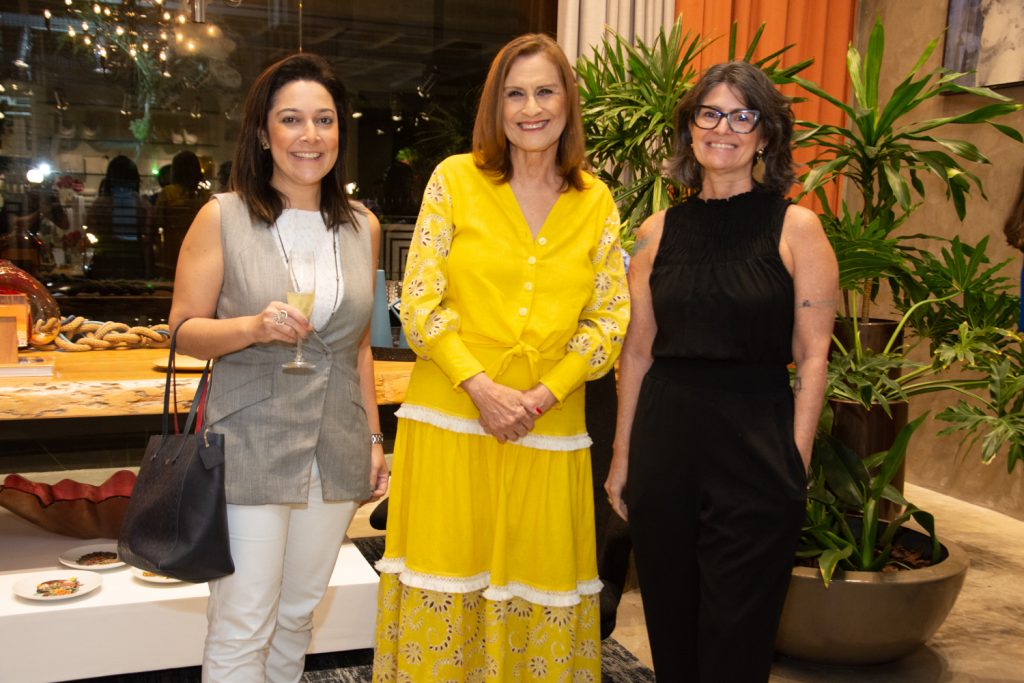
[868, 617]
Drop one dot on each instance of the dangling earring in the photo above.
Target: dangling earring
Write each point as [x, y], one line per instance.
[757, 170]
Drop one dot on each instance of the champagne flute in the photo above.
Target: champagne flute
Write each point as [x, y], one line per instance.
[301, 288]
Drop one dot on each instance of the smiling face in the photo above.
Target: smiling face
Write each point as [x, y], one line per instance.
[302, 130]
[722, 153]
[533, 111]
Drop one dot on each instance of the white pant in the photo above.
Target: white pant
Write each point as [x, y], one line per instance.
[261, 617]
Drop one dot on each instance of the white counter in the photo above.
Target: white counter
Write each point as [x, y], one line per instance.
[129, 625]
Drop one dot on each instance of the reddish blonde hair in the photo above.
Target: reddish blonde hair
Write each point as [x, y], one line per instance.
[491, 147]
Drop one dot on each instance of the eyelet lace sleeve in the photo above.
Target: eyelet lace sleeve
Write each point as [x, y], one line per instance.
[431, 328]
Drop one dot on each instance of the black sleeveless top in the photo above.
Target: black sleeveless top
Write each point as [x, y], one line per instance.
[719, 289]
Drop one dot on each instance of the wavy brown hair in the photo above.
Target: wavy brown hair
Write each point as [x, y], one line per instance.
[253, 166]
[491, 147]
[756, 91]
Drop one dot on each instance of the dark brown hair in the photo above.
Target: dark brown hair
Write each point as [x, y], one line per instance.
[253, 166]
[491, 147]
[186, 171]
[756, 91]
[122, 173]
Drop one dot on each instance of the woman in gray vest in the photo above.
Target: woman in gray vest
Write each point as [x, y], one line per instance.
[302, 449]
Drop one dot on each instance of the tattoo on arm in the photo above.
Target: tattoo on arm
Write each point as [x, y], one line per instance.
[807, 303]
[640, 244]
[798, 384]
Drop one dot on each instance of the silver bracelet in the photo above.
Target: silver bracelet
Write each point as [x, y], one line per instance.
[376, 437]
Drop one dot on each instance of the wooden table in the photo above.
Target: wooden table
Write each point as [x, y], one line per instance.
[128, 625]
[128, 382]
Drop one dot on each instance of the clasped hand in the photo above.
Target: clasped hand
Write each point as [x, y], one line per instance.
[507, 414]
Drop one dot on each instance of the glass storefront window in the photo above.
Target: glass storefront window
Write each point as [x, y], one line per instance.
[119, 117]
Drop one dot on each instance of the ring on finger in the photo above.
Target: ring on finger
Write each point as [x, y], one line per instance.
[280, 317]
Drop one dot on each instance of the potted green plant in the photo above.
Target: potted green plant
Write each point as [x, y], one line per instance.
[892, 585]
[957, 311]
[882, 158]
[948, 292]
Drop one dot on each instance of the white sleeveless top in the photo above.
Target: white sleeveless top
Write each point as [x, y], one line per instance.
[301, 228]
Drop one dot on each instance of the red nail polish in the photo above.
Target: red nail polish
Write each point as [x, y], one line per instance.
[539, 411]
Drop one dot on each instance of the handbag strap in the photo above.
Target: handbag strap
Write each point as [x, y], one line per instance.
[171, 382]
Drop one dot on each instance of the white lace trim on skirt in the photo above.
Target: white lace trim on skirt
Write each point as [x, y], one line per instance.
[469, 584]
[462, 425]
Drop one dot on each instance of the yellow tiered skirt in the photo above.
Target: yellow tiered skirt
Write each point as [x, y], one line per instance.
[489, 570]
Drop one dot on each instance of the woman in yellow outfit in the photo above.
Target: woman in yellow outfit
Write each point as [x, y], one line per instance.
[514, 296]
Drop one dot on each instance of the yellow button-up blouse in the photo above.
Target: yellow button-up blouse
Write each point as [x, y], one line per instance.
[480, 294]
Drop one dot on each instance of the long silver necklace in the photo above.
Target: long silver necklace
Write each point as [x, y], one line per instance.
[337, 269]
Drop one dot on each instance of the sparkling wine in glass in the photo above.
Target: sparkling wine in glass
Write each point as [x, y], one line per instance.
[301, 287]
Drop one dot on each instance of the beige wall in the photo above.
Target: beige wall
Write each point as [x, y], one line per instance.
[942, 463]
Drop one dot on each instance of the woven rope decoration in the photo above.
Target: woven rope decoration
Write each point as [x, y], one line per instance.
[79, 334]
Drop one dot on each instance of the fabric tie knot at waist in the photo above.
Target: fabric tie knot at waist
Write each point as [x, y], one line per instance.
[520, 350]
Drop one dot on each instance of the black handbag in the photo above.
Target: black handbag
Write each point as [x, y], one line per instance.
[176, 522]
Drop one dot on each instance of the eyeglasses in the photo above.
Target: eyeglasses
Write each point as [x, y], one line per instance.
[742, 121]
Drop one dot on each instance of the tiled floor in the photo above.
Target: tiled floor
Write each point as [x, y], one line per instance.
[983, 638]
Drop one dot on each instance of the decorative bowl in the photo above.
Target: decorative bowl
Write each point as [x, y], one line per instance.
[71, 508]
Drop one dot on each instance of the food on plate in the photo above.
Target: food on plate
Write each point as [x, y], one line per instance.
[58, 587]
[100, 557]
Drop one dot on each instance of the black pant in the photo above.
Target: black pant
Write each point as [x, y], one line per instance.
[716, 500]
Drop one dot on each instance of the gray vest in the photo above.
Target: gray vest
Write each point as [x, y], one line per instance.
[274, 423]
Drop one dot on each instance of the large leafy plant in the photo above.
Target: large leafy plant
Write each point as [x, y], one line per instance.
[994, 420]
[982, 364]
[882, 154]
[953, 283]
[949, 293]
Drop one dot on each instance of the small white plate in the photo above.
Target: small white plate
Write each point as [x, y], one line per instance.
[182, 363]
[26, 587]
[144, 575]
[72, 557]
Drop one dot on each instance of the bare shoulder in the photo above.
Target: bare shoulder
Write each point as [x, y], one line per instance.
[373, 222]
[211, 210]
[205, 228]
[648, 236]
[800, 223]
[803, 236]
[200, 269]
[804, 247]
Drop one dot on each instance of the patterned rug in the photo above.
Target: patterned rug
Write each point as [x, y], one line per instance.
[618, 665]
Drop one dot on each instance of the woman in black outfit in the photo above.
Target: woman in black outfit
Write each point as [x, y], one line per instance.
[728, 288]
